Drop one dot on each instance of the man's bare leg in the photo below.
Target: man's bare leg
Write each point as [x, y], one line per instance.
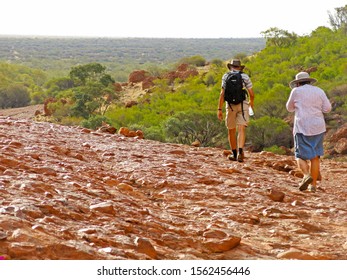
[232, 138]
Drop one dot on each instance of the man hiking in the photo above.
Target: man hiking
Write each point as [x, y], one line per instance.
[236, 87]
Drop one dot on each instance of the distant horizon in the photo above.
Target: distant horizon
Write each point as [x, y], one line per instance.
[106, 37]
[157, 19]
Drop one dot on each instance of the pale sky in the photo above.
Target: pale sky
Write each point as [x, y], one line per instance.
[163, 19]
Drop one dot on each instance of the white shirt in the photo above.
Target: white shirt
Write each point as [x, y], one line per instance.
[309, 104]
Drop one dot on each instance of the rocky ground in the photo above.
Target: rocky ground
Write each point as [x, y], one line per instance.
[72, 193]
[27, 112]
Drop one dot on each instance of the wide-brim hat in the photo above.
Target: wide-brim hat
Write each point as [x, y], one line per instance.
[235, 63]
[302, 77]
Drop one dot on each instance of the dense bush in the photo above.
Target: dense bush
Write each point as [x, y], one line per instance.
[14, 96]
[185, 110]
[94, 122]
[269, 131]
[17, 84]
[195, 60]
[187, 127]
[181, 113]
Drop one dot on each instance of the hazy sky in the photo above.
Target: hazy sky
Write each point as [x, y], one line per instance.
[161, 18]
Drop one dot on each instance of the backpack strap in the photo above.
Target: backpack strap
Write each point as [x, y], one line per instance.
[243, 82]
[243, 113]
[226, 78]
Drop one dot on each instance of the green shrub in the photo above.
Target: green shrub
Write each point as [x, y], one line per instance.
[195, 60]
[186, 127]
[70, 121]
[14, 96]
[154, 133]
[94, 122]
[268, 131]
[276, 150]
[59, 110]
[217, 62]
[210, 79]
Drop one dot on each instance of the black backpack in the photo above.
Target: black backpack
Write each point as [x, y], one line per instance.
[234, 92]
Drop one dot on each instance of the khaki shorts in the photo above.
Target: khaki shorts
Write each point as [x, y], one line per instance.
[234, 115]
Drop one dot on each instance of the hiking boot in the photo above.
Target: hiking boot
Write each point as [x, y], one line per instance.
[231, 157]
[311, 189]
[305, 182]
[240, 157]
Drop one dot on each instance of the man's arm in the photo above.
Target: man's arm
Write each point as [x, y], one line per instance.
[251, 97]
[220, 105]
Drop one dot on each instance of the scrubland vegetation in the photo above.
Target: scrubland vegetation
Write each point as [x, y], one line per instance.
[180, 111]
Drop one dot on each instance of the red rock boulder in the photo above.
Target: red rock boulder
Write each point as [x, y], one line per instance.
[137, 76]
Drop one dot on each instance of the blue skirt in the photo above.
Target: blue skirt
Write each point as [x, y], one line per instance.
[308, 147]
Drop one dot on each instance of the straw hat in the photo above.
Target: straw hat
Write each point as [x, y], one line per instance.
[301, 77]
[235, 63]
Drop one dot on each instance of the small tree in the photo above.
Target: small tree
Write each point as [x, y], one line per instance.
[195, 60]
[89, 72]
[279, 37]
[271, 102]
[86, 99]
[92, 90]
[339, 19]
[267, 132]
[14, 96]
[210, 79]
[94, 122]
[186, 127]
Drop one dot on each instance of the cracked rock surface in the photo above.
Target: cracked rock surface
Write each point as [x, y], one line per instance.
[72, 193]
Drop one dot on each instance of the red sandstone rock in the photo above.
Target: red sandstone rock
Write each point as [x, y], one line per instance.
[144, 246]
[340, 133]
[148, 82]
[105, 127]
[77, 194]
[218, 246]
[117, 87]
[182, 67]
[124, 131]
[341, 146]
[47, 111]
[189, 73]
[104, 207]
[130, 104]
[137, 76]
[295, 255]
[139, 134]
[276, 195]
